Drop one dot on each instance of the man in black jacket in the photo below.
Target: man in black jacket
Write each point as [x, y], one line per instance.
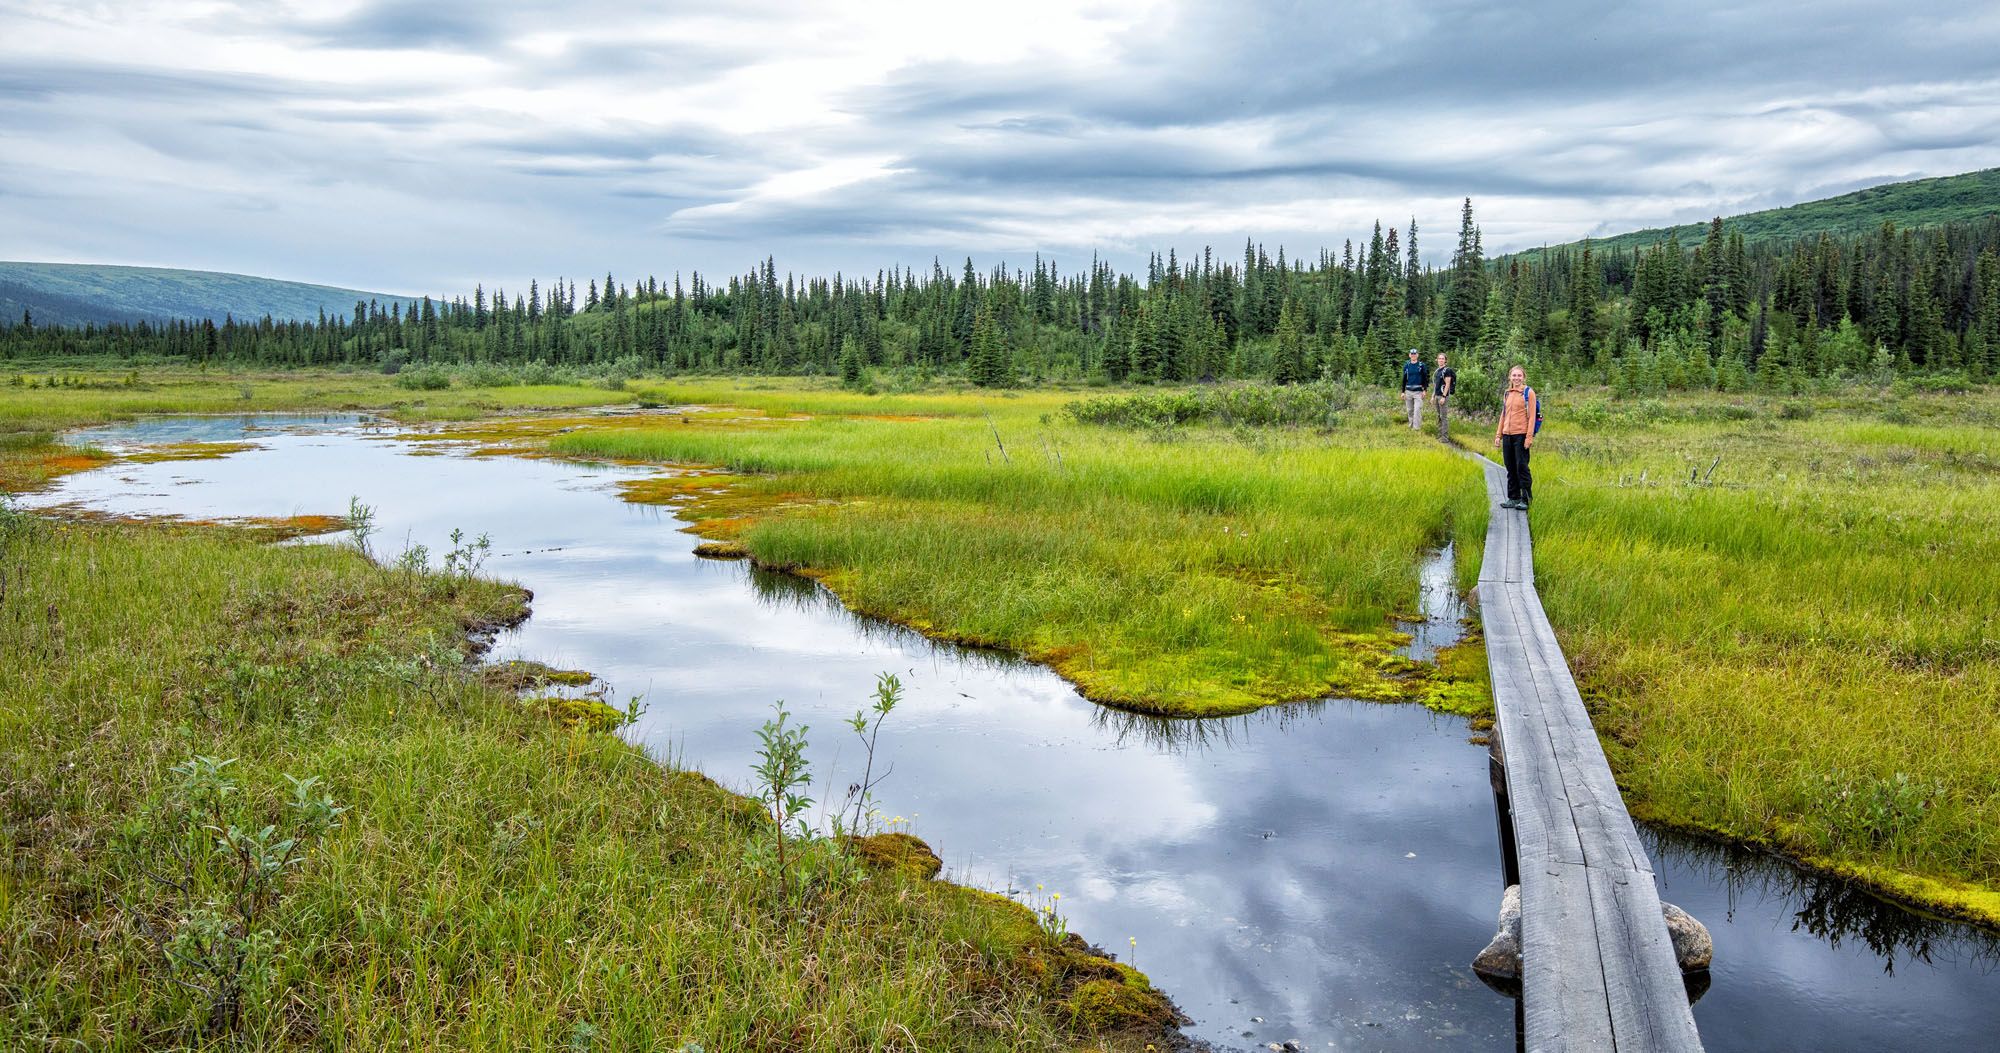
[1444, 380]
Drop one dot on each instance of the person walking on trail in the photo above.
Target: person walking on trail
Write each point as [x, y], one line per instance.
[1515, 435]
[1444, 380]
[1415, 379]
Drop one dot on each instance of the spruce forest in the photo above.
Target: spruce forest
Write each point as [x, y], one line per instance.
[1772, 316]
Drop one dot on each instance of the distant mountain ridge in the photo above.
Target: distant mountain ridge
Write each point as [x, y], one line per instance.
[1916, 203]
[81, 293]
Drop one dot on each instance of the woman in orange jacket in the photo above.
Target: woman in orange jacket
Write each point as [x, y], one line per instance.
[1515, 435]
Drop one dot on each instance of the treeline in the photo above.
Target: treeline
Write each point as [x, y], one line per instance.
[1716, 314]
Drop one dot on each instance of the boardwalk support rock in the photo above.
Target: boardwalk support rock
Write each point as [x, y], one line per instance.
[1598, 968]
[1500, 962]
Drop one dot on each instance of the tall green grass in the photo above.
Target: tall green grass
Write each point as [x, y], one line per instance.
[1788, 626]
[1187, 571]
[498, 881]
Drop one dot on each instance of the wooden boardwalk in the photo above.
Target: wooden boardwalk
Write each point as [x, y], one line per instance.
[1597, 966]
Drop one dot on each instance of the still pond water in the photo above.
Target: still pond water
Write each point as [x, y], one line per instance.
[1320, 872]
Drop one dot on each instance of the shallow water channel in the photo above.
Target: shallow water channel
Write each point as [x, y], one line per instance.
[1319, 872]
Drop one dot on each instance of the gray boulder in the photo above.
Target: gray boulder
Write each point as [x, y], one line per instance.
[1692, 946]
[1501, 960]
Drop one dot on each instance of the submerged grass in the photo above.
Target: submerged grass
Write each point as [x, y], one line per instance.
[504, 877]
[1195, 571]
[1785, 624]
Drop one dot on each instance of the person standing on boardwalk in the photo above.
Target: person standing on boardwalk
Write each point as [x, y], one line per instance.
[1443, 380]
[1515, 435]
[1414, 382]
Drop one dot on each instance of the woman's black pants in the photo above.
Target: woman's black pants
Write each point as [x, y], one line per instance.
[1514, 453]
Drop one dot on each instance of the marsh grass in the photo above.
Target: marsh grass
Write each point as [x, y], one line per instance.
[1202, 571]
[501, 878]
[1782, 611]
[1785, 624]
[112, 394]
[37, 404]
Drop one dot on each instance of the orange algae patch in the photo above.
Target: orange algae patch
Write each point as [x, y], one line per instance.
[188, 451]
[672, 489]
[280, 528]
[27, 468]
[260, 528]
[62, 464]
[714, 504]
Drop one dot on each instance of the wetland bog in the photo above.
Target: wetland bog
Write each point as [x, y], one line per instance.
[1319, 871]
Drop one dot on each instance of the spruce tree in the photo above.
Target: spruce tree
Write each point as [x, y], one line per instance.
[1982, 339]
[850, 362]
[1583, 293]
[1465, 299]
[1925, 345]
[989, 365]
[1289, 364]
[1385, 342]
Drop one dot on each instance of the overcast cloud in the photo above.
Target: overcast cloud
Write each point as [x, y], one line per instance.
[422, 146]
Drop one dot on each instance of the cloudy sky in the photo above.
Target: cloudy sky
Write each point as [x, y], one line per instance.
[422, 145]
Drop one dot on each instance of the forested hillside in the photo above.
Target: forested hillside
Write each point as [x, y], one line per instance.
[82, 293]
[1917, 203]
[1721, 312]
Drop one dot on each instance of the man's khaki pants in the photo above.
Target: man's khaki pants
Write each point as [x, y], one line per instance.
[1414, 402]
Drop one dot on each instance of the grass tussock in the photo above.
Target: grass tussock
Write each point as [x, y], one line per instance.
[469, 870]
[1200, 571]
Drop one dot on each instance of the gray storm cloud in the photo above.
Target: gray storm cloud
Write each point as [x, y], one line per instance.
[425, 146]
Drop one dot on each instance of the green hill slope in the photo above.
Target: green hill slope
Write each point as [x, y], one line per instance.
[1918, 203]
[75, 293]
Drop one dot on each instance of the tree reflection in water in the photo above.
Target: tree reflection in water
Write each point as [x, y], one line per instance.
[1827, 906]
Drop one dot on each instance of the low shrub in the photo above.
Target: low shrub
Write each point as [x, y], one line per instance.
[1317, 404]
[424, 378]
[487, 375]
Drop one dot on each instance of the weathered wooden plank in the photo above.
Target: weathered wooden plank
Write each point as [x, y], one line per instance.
[1643, 986]
[1563, 996]
[1598, 840]
[1605, 826]
[1510, 555]
[1598, 811]
[1544, 828]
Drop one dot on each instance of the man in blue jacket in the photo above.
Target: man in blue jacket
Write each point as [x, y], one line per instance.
[1415, 379]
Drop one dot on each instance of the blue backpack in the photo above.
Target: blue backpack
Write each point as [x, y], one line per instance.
[1529, 393]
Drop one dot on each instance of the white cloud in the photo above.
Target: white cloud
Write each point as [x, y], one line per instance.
[423, 146]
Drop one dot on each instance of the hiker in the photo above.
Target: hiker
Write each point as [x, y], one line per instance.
[1443, 380]
[1414, 382]
[1520, 408]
